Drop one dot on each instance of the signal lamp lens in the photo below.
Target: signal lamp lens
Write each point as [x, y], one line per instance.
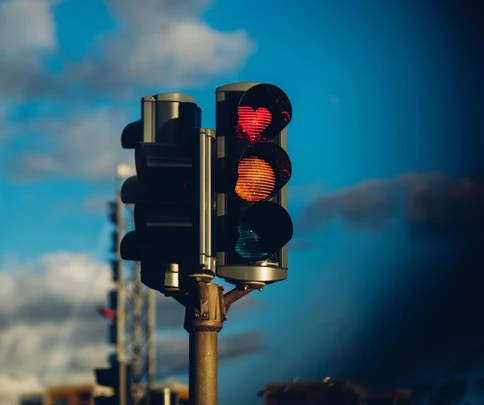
[264, 111]
[256, 179]
[265, 229]
[263, 170]
[252, 123]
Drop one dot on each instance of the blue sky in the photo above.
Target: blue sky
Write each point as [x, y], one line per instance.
[385, 144]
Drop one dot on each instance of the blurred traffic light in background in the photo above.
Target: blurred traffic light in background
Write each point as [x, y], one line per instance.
[109, 312]
[109, 377]
[252, 170]
[114, 249]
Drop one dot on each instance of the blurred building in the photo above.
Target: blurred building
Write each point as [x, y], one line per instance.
[331, 392]
[32, 399]
[84, 395]
[69, 395]
[168, 396]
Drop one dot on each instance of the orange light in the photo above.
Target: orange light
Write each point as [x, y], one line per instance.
[256, 179]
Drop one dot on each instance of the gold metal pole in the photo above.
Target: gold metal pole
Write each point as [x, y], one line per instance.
[206, 309]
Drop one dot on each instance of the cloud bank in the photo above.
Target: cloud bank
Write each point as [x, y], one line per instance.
[68, 114]
[427, 332]
[52, 334]
[431, 202]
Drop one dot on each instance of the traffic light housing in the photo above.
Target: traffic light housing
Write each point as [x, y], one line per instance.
[113, 332]
[169, 193]
[104, 400]
[113, 299]
[109, 377]
[111, 313]
[113, 215]
[114, 270]
[252, 169]
[112, 359]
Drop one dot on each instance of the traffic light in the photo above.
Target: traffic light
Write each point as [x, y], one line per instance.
[112, 306]
[109, 377]
[112, 212]
[113, 332]
[110, 312]
[252, 170]
[169, 193]
[114, 248]
[112, 359]
[113, 218]
[114, 270]
[113, 299]
[104, 400]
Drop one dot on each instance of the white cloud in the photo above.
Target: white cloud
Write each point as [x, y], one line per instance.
[84, 145]
[162, 43]
[52, 335]
[60, 277]
[11, 387]
[50, 331]
[158, 44]
[26, 25]
[27, 35]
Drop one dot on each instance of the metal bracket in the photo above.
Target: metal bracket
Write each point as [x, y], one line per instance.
[207, 260]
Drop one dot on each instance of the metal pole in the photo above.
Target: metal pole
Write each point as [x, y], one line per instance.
[204, 318]
[151, 352]
[137, 326]
[120, 318]
[205, 311]
[203, 367]
[136, 335]
[167, 396]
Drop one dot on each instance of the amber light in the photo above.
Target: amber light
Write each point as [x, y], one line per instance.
[253, 122]
[256, 179]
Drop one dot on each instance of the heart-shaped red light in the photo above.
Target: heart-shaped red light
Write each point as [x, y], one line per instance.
[252, 123]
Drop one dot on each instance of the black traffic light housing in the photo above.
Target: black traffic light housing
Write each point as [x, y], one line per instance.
[114, 270]
[109, 377]
[252, 170]
[170, 152]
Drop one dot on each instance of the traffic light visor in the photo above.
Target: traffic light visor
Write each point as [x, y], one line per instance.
[262, 170]
[132, 134]
[263, 112]
[264, 229]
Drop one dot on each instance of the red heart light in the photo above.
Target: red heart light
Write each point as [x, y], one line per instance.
[252, 123]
